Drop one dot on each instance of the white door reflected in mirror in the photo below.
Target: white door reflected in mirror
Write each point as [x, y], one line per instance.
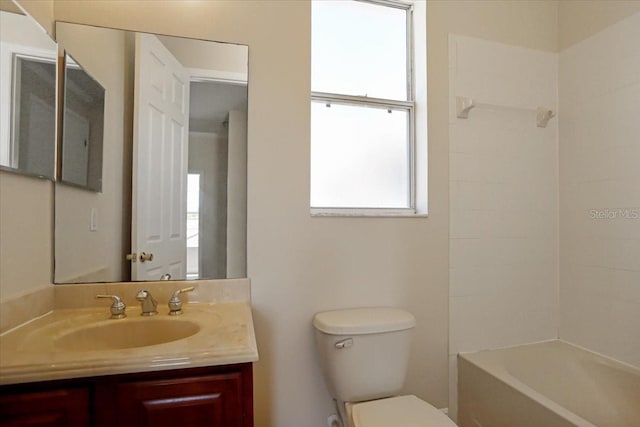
[160, 144]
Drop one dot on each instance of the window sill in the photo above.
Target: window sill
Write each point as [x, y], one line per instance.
[367, 213]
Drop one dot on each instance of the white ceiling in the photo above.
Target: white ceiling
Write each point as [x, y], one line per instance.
[211, 102]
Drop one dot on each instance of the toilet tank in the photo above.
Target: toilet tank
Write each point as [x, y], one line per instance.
[364, 352]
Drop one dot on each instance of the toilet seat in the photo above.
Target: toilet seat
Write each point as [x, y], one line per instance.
[402, 411]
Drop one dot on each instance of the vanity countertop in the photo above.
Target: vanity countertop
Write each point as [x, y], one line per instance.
[72, 343]
[34, 352]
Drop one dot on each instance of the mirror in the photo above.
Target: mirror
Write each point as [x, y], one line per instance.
[27, 95]
[82, 127]
[173, 200]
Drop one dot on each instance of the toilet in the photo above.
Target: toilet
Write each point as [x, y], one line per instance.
[364, 354]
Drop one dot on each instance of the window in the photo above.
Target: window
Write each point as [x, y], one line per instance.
[362, 108]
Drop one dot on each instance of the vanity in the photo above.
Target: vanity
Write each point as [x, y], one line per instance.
[78, 366]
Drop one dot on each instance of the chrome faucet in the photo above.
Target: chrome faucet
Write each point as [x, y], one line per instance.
[147, 303]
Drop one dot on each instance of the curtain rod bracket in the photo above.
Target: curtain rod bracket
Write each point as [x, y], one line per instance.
[463, 106]
[543, 116]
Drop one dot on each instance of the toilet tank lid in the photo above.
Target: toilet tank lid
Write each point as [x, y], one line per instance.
[369, 320]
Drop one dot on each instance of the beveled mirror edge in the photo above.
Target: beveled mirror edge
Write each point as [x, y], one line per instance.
[62, 84]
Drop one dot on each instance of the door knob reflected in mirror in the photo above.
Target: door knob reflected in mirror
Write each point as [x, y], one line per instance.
[146, 257]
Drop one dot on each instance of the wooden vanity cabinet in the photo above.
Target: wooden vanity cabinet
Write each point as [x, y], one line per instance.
[220, 396]
[65, 407]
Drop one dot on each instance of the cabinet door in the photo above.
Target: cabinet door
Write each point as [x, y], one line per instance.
[49, 408]
[207, 400]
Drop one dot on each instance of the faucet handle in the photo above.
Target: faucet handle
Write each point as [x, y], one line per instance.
[117, 308]
[175, 303]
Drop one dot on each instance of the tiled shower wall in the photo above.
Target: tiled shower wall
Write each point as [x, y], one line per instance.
[600, 192]
[504, 199]
[515, 276]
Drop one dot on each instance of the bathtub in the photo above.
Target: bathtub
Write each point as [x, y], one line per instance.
[546, 384]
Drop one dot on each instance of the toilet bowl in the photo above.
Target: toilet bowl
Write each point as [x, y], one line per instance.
[364, 355]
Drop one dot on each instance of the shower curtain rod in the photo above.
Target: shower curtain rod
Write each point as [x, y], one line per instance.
[465, 104]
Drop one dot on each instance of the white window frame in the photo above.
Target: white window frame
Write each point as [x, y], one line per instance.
[408, 105]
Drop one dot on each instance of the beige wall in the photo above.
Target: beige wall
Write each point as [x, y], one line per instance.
[26, 224]
[531, 24]
[42, 11]
[26, 236]
[9, 6]
[580, 19]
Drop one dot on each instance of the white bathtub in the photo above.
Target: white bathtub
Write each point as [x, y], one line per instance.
[546, 384]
